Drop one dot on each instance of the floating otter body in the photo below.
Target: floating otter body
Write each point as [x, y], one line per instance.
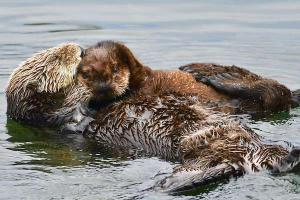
[166, 114]
[161, 120]
[209, 145]
[41, 90]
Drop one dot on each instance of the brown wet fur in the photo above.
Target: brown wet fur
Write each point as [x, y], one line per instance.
[163, 118]
[208, 145]
[101, 59]
[256, 94]
[110, 70]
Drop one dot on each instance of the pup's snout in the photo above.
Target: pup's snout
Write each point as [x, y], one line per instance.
[103, 89]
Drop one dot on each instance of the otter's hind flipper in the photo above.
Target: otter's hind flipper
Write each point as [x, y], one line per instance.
[187, 179]
[231, 80]
[291, 162]
[296, 98]
[204, 71]
[242, 84]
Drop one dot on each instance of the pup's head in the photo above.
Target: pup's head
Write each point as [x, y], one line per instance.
[110, 69]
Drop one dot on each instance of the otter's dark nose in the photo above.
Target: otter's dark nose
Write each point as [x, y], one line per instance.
[103, 89]
[82, 54]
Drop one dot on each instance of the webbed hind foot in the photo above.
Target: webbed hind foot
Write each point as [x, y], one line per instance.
[240, 83]
[230, 80]
[291, 162]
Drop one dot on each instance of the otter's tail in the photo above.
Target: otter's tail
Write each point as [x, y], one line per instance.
[185, 179]
[296, 98]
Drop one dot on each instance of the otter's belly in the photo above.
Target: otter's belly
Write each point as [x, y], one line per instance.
[152, 124]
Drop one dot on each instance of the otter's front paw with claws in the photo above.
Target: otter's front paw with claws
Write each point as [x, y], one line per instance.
[82, 116]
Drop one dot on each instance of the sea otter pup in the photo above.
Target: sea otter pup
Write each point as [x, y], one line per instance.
[110, 70]
[41, 90]
[166, 120]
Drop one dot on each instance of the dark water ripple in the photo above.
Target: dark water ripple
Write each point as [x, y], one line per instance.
[262, 36]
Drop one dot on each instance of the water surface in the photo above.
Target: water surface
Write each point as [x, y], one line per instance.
[260, 35]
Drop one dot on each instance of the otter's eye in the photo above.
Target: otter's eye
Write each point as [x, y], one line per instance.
[115, 69]
[85, 75]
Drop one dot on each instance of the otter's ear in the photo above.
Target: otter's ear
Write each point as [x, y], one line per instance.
[137, 70]
[35, 86]
[32, 85]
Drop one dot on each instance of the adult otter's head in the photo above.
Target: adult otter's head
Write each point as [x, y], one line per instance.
[49, 70]
[37, 84]
[110, 69]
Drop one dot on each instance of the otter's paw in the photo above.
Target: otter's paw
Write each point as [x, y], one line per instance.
[75, 128]
[81, 118]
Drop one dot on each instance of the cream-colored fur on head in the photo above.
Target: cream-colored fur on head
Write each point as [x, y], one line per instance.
[47, 72]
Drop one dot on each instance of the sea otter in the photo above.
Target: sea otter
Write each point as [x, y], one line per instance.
[111, 70]
[171, 126]
[155, 112]
[41, 90]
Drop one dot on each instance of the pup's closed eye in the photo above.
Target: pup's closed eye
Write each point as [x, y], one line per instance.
[115, 69]
[85, 75]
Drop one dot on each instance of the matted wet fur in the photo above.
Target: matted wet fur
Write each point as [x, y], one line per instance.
[164, 116]
[208, 145]
[41, 90]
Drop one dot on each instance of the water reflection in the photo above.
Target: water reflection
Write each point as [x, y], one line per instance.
[51, 164]
[49, 148]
